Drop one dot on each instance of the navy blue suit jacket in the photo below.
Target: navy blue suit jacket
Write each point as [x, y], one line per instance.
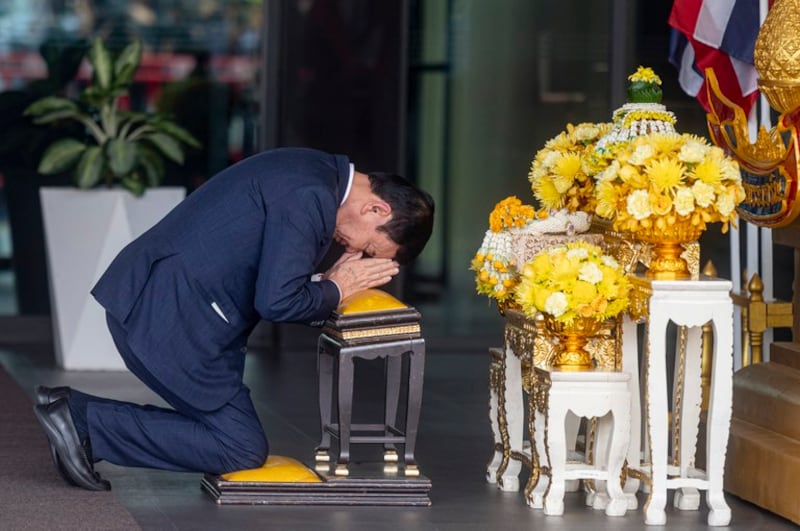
[248, 240]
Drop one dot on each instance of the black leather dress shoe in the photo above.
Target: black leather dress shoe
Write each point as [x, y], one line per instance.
[46, 395]
[56, 420]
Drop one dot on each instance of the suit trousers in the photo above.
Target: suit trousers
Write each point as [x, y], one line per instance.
[183, 438]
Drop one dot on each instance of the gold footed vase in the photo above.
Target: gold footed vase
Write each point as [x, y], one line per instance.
[667, 246]
[573, 336]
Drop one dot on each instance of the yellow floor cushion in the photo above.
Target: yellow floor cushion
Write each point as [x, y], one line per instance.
[276, 469]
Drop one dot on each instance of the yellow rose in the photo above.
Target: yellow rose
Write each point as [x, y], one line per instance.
[583, 292]
[661, 204]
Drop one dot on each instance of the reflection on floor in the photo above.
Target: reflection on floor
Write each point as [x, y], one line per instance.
[453, 448]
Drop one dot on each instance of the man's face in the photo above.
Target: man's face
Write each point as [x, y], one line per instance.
[362, 235]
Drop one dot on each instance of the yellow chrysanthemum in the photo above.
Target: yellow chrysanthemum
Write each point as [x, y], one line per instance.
[632, 176]
[560, 142]
[607, 199]
[709, 171]
[665, 174]
[568, 165]
[547, 194]
[663, 142]
[646, 75]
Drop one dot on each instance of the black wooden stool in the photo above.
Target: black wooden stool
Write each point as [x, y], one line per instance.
[389, 334]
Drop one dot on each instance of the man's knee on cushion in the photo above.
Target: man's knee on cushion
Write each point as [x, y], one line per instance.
[243, 456]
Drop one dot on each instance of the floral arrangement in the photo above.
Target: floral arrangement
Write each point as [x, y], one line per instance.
[559, 176]
[573, 280]
[661, 179]
[495, 267]
[643, 114]
[510, 213]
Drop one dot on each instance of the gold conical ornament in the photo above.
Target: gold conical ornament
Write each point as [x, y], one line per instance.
[777, 56]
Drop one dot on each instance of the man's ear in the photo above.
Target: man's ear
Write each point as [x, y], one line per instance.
[378, 207]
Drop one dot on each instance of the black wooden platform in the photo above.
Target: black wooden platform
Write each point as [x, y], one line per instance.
[367, 484]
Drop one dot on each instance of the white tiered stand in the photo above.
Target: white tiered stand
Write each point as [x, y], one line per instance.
[689, 303]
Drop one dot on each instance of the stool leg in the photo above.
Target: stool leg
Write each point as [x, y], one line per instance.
[572, 426]
[618, 447]
[325, 379]
[416, 374]
[394, 365]
[345, 411]
[557, 457]
[719, 417]
[603, 434]
[690, 340]
[630, 364]
[656, 382]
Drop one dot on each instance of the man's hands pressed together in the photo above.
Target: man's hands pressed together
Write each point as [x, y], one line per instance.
[353, 273]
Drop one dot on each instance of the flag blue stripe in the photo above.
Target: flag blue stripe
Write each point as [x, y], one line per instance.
[741, 32]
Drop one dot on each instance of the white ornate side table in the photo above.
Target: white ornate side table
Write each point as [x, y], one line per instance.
[688, 303]
[601, 394]
[526, 346]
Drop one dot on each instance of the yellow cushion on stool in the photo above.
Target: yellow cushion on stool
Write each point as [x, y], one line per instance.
[276, 469]
[369, 300]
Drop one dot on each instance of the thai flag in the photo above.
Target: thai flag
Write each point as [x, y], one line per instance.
[720, 34]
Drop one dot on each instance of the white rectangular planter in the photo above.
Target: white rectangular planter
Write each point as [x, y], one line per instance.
[84, 231]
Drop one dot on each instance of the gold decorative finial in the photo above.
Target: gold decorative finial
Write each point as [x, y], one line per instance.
[777, 56]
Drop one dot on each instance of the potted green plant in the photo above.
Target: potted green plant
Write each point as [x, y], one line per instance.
[122, 148]
[116, 162]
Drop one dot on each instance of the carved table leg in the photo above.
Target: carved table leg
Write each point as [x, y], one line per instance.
[495, 382]
[512, 419]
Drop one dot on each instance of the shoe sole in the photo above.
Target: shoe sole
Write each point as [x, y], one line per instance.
[54, 437]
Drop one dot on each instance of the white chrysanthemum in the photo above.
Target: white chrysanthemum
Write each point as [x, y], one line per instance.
[703, 193]
[578, 252]
[692, 152]
[550, 159]
[725, 204]
[730, 171]
[610, 173]
[641, 155]
[609, 261]
[586, 132]
[556, 304]
[590, 273]
[639, 204]
[684, 202]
